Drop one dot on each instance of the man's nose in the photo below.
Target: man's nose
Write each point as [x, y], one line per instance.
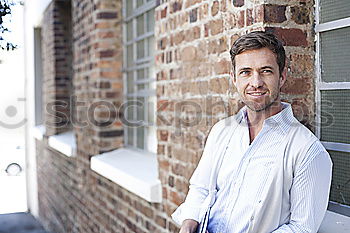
[256, 80]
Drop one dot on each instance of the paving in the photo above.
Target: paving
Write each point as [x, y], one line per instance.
[20, 223]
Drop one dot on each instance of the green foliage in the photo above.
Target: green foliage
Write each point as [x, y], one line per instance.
[5, 9]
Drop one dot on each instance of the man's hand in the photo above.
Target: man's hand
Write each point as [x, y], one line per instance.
[189, 226]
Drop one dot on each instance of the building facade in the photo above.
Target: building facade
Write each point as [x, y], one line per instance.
[125, 93]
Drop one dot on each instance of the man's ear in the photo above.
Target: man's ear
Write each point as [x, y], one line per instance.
[283, 77]
[232, 75]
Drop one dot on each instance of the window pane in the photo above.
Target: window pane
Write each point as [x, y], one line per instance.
[141, 137]
[139, 3]
[335, 116]
[129, 31]
[335, 55]
[130, 56]
[140, 87]
[130, 139]
[150, 20]
[140, 49]
[140, 25]
[151, 110]
[333, 10]
[129, 7]
[130, 110]
[151, 46]
[140, 74]
[141, 109]
[130, 82]
[340, 188]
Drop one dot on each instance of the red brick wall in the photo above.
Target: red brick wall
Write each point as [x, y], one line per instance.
[194, 91]
[193, 40]
[57, 67]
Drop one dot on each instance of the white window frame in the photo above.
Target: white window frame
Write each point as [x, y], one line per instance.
[146, 62]
[341, 210]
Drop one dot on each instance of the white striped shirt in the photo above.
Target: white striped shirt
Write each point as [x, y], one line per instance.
[279, 183]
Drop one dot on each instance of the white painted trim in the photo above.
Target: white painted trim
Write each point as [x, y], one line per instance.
[317, 89]
[64, 143]
[336, 146]
[137, 39]
[334, 85]
[38, 132]
[133, 170]
[336, 24]
[335, 223]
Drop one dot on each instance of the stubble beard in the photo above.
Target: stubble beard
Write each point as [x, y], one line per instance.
[257, 107]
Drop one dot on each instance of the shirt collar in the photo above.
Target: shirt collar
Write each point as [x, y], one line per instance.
[281, 121]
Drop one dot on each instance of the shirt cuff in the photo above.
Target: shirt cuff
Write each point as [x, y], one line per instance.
[183, 212]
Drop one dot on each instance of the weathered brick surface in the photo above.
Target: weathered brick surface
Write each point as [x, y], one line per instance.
[202, 73]
[194, 91]
[57, 67]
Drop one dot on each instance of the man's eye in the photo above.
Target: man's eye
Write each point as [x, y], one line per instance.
[267, 71]
[244, 72]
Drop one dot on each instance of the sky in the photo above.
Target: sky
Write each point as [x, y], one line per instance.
[12, 95]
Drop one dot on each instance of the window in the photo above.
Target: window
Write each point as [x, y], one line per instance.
[38, 86]
[139, 75]
[333, 95]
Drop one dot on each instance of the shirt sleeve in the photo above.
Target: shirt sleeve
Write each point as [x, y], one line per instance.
[309, 192]
[199, 183]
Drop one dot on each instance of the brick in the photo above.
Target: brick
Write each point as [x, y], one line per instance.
[188, 53]
[178, 38]
[223, 7]
[258, 12]
[215, 8]
[160, 221]
[301, 64]
[219, 85]
[176, 6]
[300, 14]
[175, 198]
[215, 26]
[238, 3]
[192, 33]
[249, 17]
[222, 67]
[291, 36]
[218, 46]
[163, 13]
[203, 11]
[240, 21]
[162, 43]
[297, 86]
[107, 15]
[163, 135]
[274, 13]
[193, 15]
[192, 2]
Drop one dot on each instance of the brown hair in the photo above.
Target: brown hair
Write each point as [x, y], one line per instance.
[258, 40]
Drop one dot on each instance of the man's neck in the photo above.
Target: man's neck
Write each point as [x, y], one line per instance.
[256, 119]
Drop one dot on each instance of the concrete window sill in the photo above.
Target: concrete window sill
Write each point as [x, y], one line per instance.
[334, 222]
[64, 143]
[133, 170]
[38, 132]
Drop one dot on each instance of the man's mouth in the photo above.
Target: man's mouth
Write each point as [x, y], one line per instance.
[257, 93]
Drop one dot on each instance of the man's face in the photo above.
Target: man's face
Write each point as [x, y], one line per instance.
[257, 78]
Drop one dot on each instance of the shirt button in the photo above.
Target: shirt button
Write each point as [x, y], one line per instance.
[251, 218]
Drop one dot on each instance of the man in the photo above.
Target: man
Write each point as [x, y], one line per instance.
[275, 174]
